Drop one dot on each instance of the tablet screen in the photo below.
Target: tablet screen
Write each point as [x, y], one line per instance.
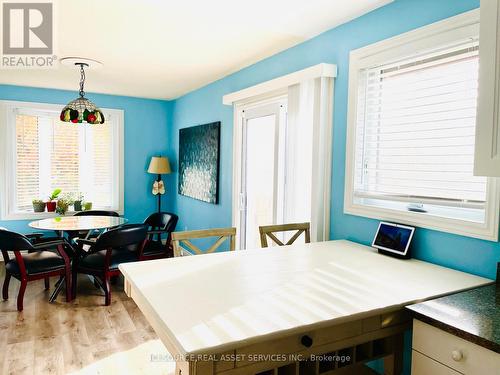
[393, 237]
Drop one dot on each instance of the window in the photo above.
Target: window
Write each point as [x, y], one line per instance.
[43, 153]
[412, 120]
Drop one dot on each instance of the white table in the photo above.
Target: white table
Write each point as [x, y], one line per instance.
[213, 311]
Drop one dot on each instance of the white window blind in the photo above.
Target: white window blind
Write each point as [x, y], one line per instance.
[51, 154]
[415, 134]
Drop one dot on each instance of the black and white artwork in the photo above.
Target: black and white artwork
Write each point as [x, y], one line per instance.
[199, 162]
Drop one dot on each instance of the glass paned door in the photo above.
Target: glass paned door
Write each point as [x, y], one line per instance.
[261, 198]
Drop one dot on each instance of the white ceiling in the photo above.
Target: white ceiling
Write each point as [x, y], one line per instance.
[164, 49]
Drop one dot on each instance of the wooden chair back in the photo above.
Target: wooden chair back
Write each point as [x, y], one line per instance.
[181, 240]
[270, 230]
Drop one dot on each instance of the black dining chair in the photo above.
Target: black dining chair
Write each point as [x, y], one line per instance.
[72, 235]
[33, 237]
[101, 260]
[97, 213]
[39, 262]
[160, 224]
[38, 238]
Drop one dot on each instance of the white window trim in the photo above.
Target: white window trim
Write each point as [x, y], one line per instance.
[7, 154]
[440, 33]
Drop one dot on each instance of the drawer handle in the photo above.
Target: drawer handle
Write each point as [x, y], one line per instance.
[307, 341]
[457, 355]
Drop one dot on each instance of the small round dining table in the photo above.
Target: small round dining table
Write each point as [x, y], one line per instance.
[61, 224]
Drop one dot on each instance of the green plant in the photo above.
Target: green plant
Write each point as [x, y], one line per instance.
[79, 197]
[62, 206]
[68, 197]
[87, 206]
[38, 205]
[54, 195]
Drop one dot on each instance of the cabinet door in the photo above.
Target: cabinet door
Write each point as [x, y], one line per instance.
[487, 150]
[454, 352]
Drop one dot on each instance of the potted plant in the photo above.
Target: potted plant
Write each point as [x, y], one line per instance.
[38, 205]
[87, 206]
[77, 204]
[69, 198]
[52, 204]
[62, 206]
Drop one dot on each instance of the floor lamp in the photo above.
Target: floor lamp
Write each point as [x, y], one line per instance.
[159, 165]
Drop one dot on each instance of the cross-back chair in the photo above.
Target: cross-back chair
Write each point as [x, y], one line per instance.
[181, 241]
[270, 231]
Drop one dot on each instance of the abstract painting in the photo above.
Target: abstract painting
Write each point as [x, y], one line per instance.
[199, 162]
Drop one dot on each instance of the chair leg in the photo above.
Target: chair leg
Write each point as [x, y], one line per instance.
[20, 296]
[74, 278]
[69, 292]
[5, 289]
[47, 283]
[107, 290]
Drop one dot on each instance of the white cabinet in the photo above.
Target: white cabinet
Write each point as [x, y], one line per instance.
[438, 352]
[487, 150]
[421, 364]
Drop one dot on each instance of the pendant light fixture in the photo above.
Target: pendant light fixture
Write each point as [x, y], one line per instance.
[81, 109]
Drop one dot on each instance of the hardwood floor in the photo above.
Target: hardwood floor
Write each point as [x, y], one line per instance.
[81, 337]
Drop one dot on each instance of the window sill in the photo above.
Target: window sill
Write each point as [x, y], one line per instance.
[469, 215]
[486, 231]
[44, 215]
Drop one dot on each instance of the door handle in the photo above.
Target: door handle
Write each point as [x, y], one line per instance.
[243, 202]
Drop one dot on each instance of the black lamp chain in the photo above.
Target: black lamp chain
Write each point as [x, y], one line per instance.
[82, 81]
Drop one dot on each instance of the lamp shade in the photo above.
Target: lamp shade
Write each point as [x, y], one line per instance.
[159, 165]
[80, 110]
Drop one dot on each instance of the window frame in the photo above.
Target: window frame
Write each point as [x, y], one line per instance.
[462, 26]
[8, 149]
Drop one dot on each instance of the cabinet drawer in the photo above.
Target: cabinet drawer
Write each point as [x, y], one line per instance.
[452, 351]
[423, 365]
[295, 343]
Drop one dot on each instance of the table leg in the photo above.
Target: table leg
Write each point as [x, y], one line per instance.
[57, 290]
[98, 284]
[127, 287]
[393, 364]
[58, 282]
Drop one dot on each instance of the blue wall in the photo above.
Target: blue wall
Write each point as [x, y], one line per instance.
[152, 127]
[205, 105]
[146, 124]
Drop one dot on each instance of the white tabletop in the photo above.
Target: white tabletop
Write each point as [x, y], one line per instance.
[224, 300]
[77, 223]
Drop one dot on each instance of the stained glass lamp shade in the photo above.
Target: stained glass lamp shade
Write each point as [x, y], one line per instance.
[81, 109]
